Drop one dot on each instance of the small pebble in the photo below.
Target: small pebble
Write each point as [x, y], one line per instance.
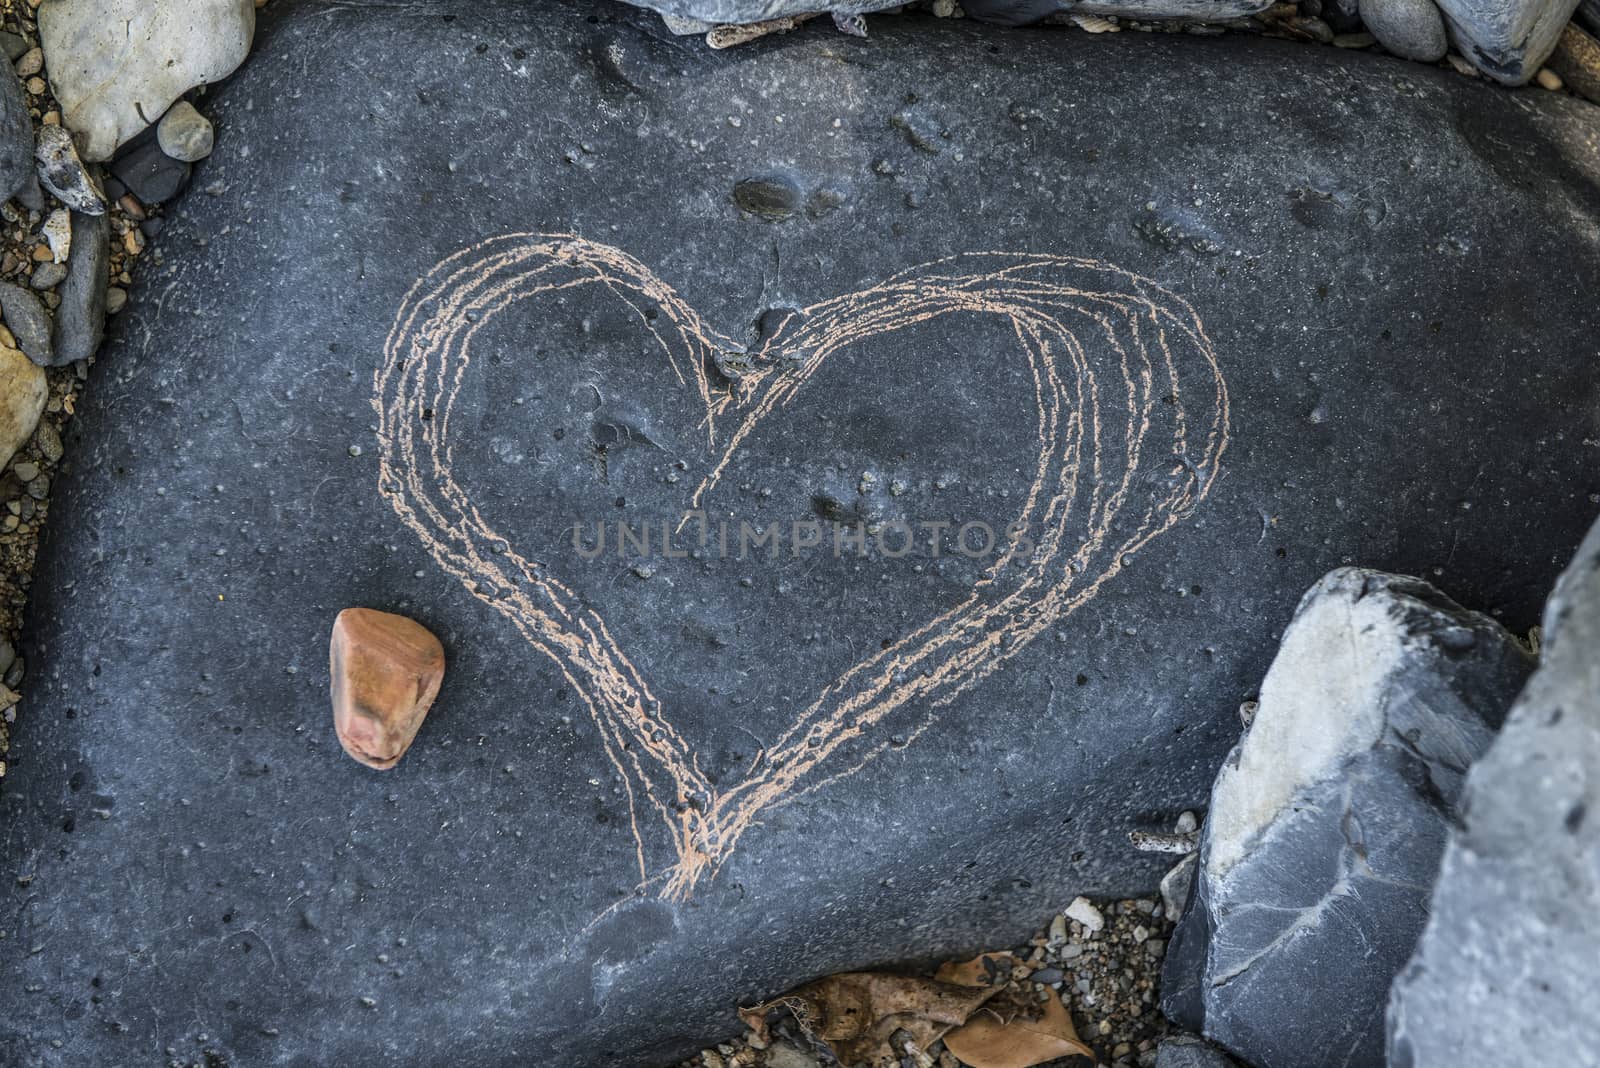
[1083, 911]
[1549, 79]
[184, 133]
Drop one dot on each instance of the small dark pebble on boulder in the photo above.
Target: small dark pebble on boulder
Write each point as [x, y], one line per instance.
[149, 173]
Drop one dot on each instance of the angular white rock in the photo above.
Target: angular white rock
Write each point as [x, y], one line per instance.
[1084, 912]
[117, 65]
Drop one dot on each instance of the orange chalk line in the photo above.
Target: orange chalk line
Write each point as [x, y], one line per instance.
[1154, 341]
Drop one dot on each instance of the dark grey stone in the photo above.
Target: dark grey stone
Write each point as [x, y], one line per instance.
[81, 315]
[1588, 13]
[28, 320]
[1190, 1051]
[47, 275]
[1367, 254]
[16, 136]
[149, 173]
[13, 45]
[1505, 972]
[1506, 39]
[1328, 819]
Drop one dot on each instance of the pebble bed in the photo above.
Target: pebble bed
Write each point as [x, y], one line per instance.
[1108, 980]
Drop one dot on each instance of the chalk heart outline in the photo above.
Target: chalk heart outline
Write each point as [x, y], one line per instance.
[1132, 422]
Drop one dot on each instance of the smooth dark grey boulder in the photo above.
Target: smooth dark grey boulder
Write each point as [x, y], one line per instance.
[1505, 971]
[1327, 821]
[1365, 242]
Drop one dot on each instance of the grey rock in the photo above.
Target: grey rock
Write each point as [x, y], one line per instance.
[1412, 29]
[28, 320]
[116, 65]
[47, 275]
[16, 136]
[783, 1055]
[717, 12]
[1006, 12]
[31, 195]
[1506, 39]
[81, 315]
[1022, 12]
[13, 45]
[184, 133]
[64, 174]
[1191, 1051]
[149, 173]
[1504, 973]
[1328, 819]
[509, 902]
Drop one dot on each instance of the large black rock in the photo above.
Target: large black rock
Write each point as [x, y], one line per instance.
[1208, 339]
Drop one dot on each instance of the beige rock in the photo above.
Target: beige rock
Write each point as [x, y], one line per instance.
[117, 65]
[23, 390]
[386, 672]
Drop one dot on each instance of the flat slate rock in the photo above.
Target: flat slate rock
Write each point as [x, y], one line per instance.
[1207, 345]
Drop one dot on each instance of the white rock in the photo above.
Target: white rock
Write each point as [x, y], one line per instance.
[117, 65]
[1324, 695]
[23, 390]
[1175, 886]
[1085, 913]
[184, 133]
[57, 230]
[63, 173]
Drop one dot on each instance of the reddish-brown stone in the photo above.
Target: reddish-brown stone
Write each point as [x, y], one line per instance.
[386, 672]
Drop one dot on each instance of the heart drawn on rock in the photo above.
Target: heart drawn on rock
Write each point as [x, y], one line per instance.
[1132, 421]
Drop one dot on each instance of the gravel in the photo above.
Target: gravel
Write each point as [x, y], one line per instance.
[1108, 978]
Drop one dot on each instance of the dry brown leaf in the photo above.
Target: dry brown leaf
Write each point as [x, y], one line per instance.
[991, 1040]
[986, 969]
[856, 1013]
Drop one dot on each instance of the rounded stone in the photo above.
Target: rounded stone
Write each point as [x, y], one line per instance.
[184, 133]
[1413, 29]
[23, 390]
